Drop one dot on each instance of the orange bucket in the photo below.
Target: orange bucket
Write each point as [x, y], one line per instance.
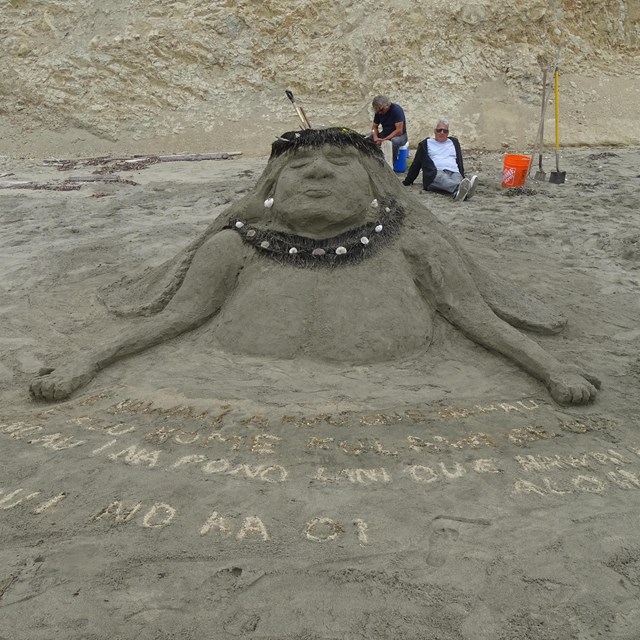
[515, 170]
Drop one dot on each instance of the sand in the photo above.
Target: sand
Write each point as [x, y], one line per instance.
[188, 492]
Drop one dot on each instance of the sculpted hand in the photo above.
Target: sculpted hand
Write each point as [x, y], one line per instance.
[571, 384]
[59, 384]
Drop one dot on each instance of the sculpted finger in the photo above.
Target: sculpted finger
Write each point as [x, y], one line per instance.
[561, 394]
[61, 391]
[47, 387]
[34, 388]
[587, 375]
[585, 393]
[594, 380]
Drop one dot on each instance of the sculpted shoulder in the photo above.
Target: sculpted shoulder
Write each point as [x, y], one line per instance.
[225, 246]
[417, 242]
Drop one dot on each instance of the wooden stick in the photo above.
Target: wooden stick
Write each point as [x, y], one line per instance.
[225, 155]
[16, 184]
[93, 178]
[96, 159]
[200, 156]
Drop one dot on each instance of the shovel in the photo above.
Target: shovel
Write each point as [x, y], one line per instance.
[557, 176]
[540, 174]
[300, 111]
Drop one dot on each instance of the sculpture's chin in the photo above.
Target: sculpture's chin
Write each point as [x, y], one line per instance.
[320, 224]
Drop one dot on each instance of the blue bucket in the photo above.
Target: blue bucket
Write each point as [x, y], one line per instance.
[400, 164]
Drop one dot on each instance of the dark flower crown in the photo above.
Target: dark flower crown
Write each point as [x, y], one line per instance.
[336, 136]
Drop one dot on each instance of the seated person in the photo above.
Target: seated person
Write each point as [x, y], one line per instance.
[440, 159]
[391, 118]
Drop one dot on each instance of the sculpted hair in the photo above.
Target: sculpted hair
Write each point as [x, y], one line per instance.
[292, 141]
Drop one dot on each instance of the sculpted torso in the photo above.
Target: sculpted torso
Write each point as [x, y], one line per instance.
[258, 282]
[366, 312]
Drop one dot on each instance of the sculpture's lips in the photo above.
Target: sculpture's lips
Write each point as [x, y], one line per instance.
[317, 192]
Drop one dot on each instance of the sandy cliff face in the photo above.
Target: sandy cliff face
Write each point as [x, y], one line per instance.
[142, 76]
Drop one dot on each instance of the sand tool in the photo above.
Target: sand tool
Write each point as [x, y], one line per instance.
[557, 176]
[540, 174]
[299, 110]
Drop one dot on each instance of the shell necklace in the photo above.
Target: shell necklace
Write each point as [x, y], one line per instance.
[345, 248]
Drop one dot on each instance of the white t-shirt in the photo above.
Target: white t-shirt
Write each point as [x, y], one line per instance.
[443, 154]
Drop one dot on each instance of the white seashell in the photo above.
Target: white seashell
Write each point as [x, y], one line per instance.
[251, 233]
[268, 203]
[239, 224]
[374, 203]
[293, 250]
[264, 244]
[341, 251]
[378, 228]
[387, 210]
[364, 240]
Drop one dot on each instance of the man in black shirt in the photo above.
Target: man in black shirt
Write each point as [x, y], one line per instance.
[389, 123]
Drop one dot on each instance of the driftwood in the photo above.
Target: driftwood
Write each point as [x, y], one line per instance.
[48, 186]
[136, 161]
[87, 161]
[73, 183]
[106, 165]
[16, 184]
[94, 178]
[200, 156]
[6, 584]
[132, 164]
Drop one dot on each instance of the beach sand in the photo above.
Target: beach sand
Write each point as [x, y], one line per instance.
[191, 493]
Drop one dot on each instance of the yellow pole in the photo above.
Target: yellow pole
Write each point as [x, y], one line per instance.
[557, 106]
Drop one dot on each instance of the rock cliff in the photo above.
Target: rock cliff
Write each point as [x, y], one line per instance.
[144, 76]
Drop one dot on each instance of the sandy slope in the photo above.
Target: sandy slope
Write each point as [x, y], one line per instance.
[88, 78]
[187, 493]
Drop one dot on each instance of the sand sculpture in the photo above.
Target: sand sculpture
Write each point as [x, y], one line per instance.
[331, 258]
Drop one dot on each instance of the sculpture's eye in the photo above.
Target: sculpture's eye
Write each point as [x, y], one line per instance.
[339, 160]
[298, 163]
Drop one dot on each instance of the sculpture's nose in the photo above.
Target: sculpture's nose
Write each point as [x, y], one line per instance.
[319, 168]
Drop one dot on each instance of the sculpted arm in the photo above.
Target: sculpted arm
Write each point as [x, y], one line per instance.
[443, 278]
[209, 280]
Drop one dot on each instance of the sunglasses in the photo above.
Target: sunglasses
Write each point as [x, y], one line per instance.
[442, 130]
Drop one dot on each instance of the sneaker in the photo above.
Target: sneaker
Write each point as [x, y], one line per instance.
[463, 190]
[472, 187]
[406, 184]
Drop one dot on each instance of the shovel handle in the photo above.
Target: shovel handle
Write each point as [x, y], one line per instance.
[557, 106]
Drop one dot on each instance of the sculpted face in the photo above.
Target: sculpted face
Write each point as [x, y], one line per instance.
[322, 191]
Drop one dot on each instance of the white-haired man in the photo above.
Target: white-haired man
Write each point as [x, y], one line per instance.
[440, 159]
